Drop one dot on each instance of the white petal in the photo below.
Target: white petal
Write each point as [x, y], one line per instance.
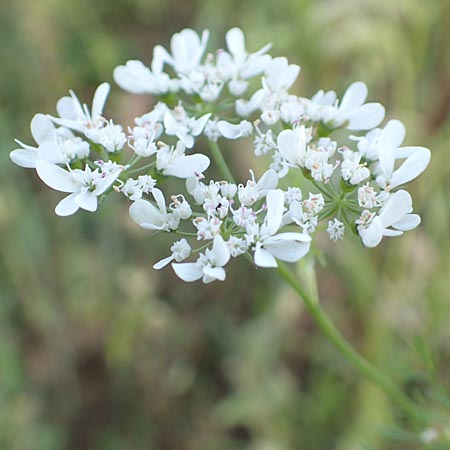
[213, 273]
[229, 130]
[188, 166]
[65, 108]
[394, 133]
[42, 129]
[264, 258]
[200, 124]
[163, 263]
[135, 77]
[406, 152]
[67, 206]
[366, 117]
[55, 177]
[69, 123]
[170, 123]
[411, 168]
[236, 43]
[87, 200]
[49, 151]
[256, 65]
[287, 250]
[290, 75]
[275, 208]
[399, 204]
[100, 96]
[297, 237]
[186, 139]
[354, 96]
[146, 215]
[24, 157]
[220, 251]
[373, 234]
[160, 200]
[106, 182]
[409, 222]
[188, 271]
[289, 146]
[269, 180]
[184, 44]
[391, 233]
[159, 58]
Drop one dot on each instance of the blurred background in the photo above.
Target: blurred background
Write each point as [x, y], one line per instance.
[100, 352]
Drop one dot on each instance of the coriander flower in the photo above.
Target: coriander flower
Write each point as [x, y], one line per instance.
[392, 220]
[268, 245]
[84, 186]
[209, 266]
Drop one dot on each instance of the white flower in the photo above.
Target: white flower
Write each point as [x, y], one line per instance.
[207, 228]
[84, 186]
[228, 190]
[180, 207]
[187, 50]
[291, 109]
[289, 247]
[317, 162]
[148, 129]
[280, 76]
[351, 111]
[367, 197]
[131, 189]
[351, 168]
[209, 266]
[77, 117]
[238, 246]
[134, 189]
[314, 203]
[216, 206]
[211, 131]
[335, 229]
[55, 145]
[392, 136]
[416, 160]
[180, 251]
[292, 145]
[393, 219]
[292, 194]
[243, 217]
[264, 142]
[270, 116]
[254, 191]
[172, 161]
[304, 213]
[178, 124]
[237, 65]
[231, 131]
[109, 136]
[246, 107]
[135, 77]
[152, 217]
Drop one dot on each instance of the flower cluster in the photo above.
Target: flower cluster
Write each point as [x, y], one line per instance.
[312, 182]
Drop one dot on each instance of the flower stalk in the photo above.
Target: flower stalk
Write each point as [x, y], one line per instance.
[310, 299]
[220, 161]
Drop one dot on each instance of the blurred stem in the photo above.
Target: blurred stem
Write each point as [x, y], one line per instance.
[311, 301]
[220, 161]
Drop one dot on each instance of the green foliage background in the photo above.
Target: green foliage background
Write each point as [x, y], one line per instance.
[100, 352]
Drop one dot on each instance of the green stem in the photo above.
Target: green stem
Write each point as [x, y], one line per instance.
[139, 169]
[220, 161]
[310, 299]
